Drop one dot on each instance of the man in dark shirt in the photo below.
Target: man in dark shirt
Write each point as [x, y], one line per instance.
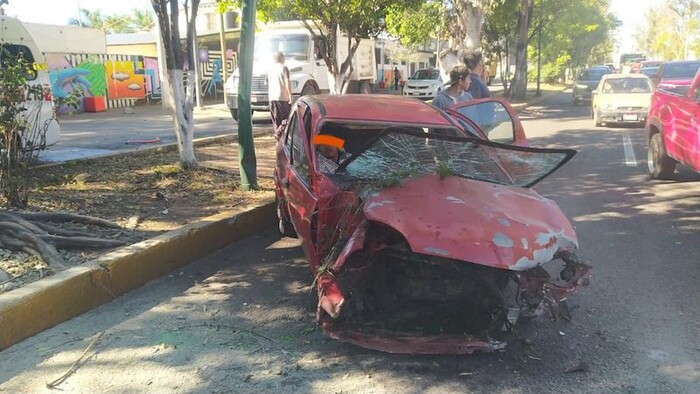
[475, 63]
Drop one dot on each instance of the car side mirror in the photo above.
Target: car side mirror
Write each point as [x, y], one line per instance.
[595, 92]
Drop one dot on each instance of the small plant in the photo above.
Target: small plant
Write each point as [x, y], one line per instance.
[443, 170]
[20, 106]
[72, 100]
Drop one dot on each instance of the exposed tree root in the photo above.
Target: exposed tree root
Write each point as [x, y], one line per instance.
[27, 232]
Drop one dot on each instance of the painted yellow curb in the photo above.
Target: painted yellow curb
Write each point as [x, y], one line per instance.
[43, 304]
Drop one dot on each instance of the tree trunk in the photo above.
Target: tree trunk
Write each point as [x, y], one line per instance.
[183, 103]
[471, 17]
[520, 82]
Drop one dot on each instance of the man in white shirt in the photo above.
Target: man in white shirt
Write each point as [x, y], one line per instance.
[279, 93]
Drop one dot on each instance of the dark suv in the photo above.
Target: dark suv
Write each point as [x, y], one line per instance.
[586, 82]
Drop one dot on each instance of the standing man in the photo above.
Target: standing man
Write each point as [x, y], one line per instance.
[475, 64]
[279, 93]
[460, 81]
[397, 78]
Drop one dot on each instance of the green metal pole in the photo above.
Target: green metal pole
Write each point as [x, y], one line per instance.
[246, 149]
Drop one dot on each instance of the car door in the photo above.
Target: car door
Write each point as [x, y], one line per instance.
[496, 118]
[296, 182]
[686, 144]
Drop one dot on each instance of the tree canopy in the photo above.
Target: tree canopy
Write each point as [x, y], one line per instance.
[671, 31]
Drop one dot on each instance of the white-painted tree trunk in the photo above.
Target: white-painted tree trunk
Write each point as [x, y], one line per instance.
[183, 104]
[337, 84]
[470, 19]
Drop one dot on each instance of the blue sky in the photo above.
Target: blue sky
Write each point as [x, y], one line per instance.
[57, 12]
[631, 13]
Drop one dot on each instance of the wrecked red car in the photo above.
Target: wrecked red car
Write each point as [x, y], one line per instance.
[417, 224]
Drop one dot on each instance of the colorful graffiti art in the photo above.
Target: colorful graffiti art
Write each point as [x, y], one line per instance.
[123, 82]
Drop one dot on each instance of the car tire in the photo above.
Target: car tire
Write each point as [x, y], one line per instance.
[309, 89]
[284, 225]
[234, 113]
[365, 88]
[661, 166]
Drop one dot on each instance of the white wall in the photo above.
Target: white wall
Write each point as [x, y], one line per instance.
[67, 39]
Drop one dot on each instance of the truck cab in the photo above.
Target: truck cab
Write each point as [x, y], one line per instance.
[673, 130]
[308, 71]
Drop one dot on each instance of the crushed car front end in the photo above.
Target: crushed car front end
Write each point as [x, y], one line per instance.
[448, 246]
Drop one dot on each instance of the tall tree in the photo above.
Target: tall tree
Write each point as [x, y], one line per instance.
[457, 21]
[519, 88]
[179, 82]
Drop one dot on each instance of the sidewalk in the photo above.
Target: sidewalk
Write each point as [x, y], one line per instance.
[52, 300]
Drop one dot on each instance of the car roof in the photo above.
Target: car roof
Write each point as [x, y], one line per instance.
[377, 108]
[682, 62]
[621, 76]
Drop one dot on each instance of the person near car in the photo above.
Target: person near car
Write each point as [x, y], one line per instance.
[475, 63]
[279, 93]
[397, 78]
[330, 158]
[457, 88]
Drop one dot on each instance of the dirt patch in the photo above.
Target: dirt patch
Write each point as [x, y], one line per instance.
[145, 192]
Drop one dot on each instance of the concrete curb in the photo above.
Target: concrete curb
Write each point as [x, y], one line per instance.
[43, 304]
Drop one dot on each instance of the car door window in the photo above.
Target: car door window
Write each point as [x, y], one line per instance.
[299, 160]
[493, 118]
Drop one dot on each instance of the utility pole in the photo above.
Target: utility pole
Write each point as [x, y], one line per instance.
[246, 148]
[539, 58]
[222, 40]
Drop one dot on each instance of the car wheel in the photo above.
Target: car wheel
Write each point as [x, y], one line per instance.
[365, 88]
[660, 165]
[234, 113]
[284, 225]
[308, 89]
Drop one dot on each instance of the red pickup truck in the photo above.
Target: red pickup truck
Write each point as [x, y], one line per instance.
[673, 130]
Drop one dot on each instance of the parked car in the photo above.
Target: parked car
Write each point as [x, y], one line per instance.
[424, 84]
[649, 63]
[622, 98]
[676, 76]
[586, 82]
[388, 274]
[649, 71]
[673, 130]
[42, 128]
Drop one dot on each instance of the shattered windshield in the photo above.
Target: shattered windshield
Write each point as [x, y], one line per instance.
[398, 154]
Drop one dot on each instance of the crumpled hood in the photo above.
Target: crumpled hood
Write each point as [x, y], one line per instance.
[494, 225]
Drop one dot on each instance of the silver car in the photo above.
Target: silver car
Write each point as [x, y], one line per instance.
[424, 84]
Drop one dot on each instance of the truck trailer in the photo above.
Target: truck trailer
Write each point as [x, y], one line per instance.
[308, 71]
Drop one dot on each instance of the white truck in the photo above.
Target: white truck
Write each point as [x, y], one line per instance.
[308, 72]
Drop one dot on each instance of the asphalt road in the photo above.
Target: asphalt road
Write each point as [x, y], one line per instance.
[241, 320]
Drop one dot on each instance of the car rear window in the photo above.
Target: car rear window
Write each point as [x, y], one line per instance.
[680, 70]
[593, 74]
[12, 51]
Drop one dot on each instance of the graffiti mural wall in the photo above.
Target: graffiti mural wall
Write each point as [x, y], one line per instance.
[122, 79]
